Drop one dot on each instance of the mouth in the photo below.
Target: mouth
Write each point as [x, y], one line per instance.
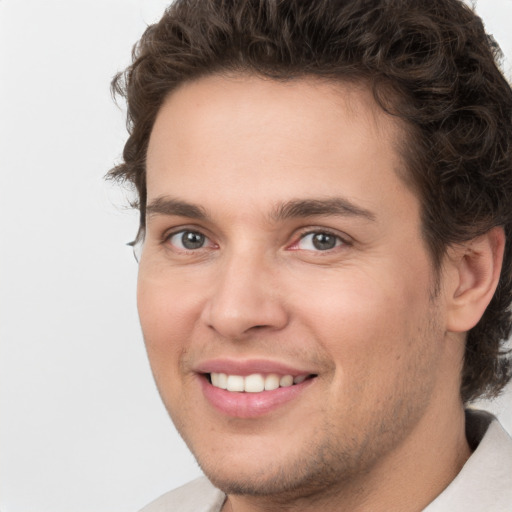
[252, 388]
[254, 394]
[256, 382]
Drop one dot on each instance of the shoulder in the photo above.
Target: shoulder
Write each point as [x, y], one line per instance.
[485, 481]
[197, 496]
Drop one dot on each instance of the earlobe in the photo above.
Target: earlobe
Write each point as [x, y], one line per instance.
[475, 266]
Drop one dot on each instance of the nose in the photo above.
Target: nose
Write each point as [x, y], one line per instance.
[245, 298]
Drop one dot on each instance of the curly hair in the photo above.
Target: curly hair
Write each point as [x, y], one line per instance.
[430, 63]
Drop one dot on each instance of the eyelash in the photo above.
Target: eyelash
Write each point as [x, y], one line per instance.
[169, 235]
[339, 240]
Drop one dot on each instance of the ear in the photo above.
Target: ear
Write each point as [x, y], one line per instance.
[475, 268]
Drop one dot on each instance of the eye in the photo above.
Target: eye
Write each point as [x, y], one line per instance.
[319, 241]
[188, 240]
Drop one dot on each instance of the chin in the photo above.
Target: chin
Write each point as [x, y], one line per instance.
[272, 482]
[294, 475]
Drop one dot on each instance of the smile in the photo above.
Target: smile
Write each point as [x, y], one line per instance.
[254, 383]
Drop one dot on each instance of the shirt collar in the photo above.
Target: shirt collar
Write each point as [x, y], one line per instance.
[485, 481]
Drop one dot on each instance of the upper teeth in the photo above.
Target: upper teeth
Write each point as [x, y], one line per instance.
[254, 383]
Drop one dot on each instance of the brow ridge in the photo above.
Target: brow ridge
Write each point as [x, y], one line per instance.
[295, 208]
[172, 206]
[313, 207]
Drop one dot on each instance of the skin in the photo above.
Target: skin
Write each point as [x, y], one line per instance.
[381, 426]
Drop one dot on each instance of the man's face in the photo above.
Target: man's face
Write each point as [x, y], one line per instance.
[281, 244]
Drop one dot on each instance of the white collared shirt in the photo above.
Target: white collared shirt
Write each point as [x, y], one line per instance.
[484, 484]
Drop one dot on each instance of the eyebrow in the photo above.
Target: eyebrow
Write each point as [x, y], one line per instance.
[312, 207]
[295, 208]
[171, 206]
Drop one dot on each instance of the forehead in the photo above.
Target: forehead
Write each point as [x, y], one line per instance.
[224, 100]
[219, 135]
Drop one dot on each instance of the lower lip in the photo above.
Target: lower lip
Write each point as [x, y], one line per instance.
[250, 405]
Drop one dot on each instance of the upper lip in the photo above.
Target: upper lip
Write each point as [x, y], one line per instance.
[246, 367]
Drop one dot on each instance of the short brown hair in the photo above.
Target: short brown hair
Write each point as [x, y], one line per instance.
[440, 66]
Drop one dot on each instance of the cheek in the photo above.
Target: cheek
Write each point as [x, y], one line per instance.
[165, 318]
[367, 322]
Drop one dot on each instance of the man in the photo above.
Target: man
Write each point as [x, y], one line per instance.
[325, 272]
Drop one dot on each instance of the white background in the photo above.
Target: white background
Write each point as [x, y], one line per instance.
[82, 428]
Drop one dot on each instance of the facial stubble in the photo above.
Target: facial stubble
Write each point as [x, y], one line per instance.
[341, 454]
